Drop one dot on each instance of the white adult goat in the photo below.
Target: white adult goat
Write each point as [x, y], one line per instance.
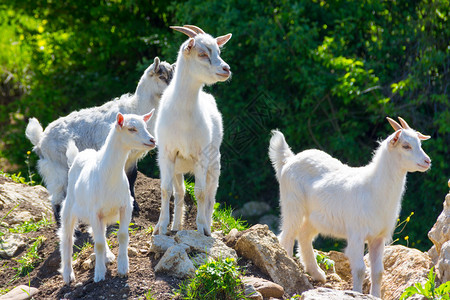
[189, 129]
[89, 128]
[319, 194]
[98, 193]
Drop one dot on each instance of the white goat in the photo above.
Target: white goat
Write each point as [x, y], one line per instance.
[89, 128]
[319, 194]
[98, 193]
[189, 129]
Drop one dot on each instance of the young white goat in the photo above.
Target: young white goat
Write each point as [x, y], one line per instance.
[319, 194]
[89, 128]
[189, 129]
[98, 193]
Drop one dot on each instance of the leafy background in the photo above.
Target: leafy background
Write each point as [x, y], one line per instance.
[326, 73]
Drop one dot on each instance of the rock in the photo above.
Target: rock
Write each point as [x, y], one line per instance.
[252, 209]
[443, 265]
[176, 262]
[21, 292]
[440, 233]
[330, 294]
[266, 288]
[21, 217]
[160, 243]
[403, 268]
[87, 264]
[132, 252]
[440, 236]
[198, 242]
[251, 293]
[231, 237]
[11, 244]
[260, 245]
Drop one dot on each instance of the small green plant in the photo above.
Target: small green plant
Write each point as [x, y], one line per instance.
[218, 279]
[29, 226]
[16, 178]
[190, 189]
[148, 296]
[400, 227]
[148, 230]
[429, 290]
[81, 249]
[29, 260]
[224, 220]
[323, 260]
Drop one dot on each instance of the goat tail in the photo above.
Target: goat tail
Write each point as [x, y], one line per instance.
[34, 131]
[279, 151]
[71, 152]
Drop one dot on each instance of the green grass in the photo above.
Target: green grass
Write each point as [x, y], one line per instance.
[428, 290]
[29, 226]
[218, 279]
[323, 260]
[224, 220]
[28, 261]
[85, 246]
[17, 178]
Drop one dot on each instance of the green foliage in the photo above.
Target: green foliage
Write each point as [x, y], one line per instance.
[16, 178]
[224, 220]
[323, 260]
[28, 261]
[86, 245]
[219, 279]
[29, 226]
[326, 73]
[190, 189]
[428, 290]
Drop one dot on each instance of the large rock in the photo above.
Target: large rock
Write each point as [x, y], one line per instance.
[11, 244]
[440, 236]
[176, 262]
[266, 288]
[174, 250]
[261, 246]
[330, 294]
[403, 268]
[21, 292]
[12, 193]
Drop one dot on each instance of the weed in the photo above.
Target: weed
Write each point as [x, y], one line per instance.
[190, 189]
[218, 279]
[28, 261]
[16, 178]
[224, 220]
[29, 226]
[148, 296]
[323, 260]
[81, 249]
[149, 230]
[429, 290]
[400, 227]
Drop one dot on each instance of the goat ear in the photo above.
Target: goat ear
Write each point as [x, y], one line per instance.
[156, 63]
[189, 46]
[222, 40]
[120, 120]
[423, 137]
[394, 124]
[395, 137]
[149, 115]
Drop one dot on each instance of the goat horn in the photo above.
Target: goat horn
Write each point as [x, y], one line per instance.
[404, 124]
[423, 136]
[394, 124]
[189, 32]
[194, 28]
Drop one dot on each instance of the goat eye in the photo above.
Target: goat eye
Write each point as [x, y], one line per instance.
[202, 54]
[407, 147]
[132, 129]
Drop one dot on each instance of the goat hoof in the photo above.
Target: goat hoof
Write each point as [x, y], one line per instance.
[160, 229]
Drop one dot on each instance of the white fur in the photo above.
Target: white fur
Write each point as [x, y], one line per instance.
[189, 132]
[98, 193]
[89, 127]
[319, 194]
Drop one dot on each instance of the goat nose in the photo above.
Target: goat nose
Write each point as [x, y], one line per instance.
[427, 161]
[226, 69]
[152, 140]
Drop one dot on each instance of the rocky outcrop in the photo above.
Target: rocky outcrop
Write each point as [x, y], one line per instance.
[330, 294]
[185, 251]
[440, 236]
[261, 246]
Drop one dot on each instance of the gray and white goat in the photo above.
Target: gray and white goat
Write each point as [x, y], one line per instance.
[89, 127]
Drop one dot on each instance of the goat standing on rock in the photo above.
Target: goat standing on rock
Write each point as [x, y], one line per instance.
[319, 194]
[89, 127]
[98, 193]
[189, 129]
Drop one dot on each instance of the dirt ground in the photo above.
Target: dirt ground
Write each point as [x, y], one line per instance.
[141, 279]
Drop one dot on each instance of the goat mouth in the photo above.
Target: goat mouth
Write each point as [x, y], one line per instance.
[150, 145]
[225, 75]
[424, 167]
